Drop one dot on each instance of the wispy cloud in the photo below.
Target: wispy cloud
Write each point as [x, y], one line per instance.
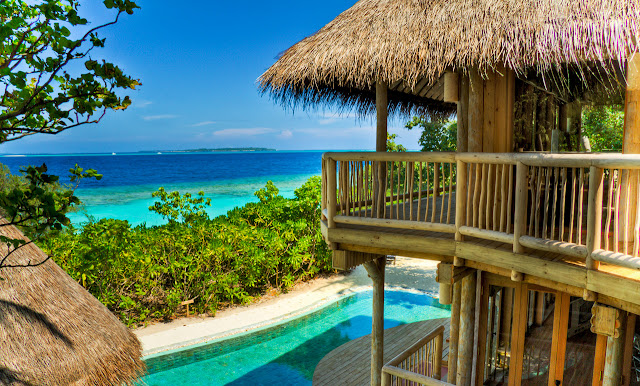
[329, 118]
[161, 116]
[338, 133]
[141, 104]
[285, 134]
[203, 123]
[242, 132]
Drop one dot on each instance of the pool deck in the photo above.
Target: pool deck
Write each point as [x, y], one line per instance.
[350, 363]
[406, 273]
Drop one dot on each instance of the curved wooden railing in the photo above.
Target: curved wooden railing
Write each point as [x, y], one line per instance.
[581, 205]
[420, 364]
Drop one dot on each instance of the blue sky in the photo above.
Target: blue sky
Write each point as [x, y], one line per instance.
[198, 62]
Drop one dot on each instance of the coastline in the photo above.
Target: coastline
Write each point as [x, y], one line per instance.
[158, 338]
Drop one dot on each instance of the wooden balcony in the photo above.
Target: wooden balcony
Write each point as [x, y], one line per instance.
[566, 221]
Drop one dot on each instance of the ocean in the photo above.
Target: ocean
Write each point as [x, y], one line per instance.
[129, 179]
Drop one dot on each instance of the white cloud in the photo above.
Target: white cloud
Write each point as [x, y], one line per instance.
[203, 123]
[286, 134]
[242, 132]
[156, 117]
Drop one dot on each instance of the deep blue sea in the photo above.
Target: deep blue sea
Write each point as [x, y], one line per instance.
[124, 192]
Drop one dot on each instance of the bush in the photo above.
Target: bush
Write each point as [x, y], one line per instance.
[143, 273]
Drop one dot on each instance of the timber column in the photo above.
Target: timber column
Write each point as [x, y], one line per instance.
[375, 269]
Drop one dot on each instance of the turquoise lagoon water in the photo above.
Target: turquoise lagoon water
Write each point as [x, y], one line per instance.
[228, 178]
[287, 353]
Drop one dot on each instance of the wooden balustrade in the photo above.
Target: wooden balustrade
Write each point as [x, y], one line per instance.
[420, 364]
[580, 205]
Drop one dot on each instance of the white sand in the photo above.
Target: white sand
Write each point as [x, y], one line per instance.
[406, 273]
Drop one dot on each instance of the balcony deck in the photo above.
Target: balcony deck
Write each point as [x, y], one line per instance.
[559, 220]
[350, 363]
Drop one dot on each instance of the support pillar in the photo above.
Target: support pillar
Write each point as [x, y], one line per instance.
[630, 145]
[375, 269]
[454, 331]
[467, 327]
[612, 375]
[382, 103]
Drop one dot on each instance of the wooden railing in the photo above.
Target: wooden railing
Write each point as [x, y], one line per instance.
[420, 364]
[581, 205]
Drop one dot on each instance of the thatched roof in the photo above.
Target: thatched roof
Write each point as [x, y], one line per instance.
[410, 43]
[53, 332]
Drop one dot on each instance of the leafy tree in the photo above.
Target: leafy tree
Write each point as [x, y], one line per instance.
[604, 125]
[392, 145]
[50, 83]
[436, 136]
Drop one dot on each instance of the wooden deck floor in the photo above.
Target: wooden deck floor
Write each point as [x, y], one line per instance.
[350, 363]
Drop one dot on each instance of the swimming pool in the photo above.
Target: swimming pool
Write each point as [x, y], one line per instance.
[286, 353]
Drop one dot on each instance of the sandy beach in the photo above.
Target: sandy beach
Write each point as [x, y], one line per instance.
[406, 273]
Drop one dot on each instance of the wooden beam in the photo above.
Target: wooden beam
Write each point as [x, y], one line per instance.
[375, 269]
[382, 103]
[466, 335]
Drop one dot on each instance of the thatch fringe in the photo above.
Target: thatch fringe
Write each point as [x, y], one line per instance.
[53, 332]
[390, 40]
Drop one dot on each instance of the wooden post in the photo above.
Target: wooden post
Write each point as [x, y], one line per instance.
[559, 337]
[517, 337]
[594, 222]
[375, 269]
[461, 198]
[332, 192]
[463, 115]
[454, 331]
[507, 315]
[483, 319]
[445, 279]
[476, 111]
[598, 361]
[520, 215]
[631, 138]
[451, 87]
[382, 103]
[467, 327]
[627, 357]
[612, 375]
[630, 143]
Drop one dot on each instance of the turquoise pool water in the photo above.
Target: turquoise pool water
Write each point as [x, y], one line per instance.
[287, 353]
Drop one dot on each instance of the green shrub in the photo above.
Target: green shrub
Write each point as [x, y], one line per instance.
[143, 273]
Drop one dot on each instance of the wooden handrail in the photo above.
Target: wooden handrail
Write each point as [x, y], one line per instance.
[410, 376]
[396, 368]
[531, 200]
[413, 348]
[577, 160]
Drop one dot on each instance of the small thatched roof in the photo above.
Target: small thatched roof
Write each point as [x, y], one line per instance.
[409, 44]
[53, 332]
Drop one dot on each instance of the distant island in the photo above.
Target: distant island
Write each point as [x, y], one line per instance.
[210, 150]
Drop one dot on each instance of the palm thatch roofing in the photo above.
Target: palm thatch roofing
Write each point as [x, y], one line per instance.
[409, 44]
[53, 332]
